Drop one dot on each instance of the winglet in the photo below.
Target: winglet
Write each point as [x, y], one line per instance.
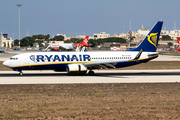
[137, 56]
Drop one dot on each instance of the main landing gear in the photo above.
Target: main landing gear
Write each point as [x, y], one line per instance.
[20, 73]
[91, 72]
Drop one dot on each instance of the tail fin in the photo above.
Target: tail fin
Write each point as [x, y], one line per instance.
[149, 44]
[85, 41]
[178, 40]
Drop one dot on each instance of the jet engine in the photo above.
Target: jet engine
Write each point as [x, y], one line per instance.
[56, 48]
[76, 69]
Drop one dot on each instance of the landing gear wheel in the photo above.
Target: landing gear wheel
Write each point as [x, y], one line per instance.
[91, 72]
[21, 73]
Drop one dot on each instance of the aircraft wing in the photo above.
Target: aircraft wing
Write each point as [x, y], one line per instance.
[110, 64]
[101, 65]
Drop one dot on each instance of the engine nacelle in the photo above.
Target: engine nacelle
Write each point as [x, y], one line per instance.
[56, 48]
[76, 69]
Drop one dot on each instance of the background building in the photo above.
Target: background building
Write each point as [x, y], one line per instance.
[101, 35]
[6, 41]
[172, 33]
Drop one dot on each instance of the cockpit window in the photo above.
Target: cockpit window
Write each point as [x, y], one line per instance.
[13, 58]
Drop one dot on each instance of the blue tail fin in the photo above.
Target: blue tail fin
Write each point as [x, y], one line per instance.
[150, 43]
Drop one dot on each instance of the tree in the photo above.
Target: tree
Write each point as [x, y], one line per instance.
[93, 42]
[166, 38]
[40, 43]
[47, 37]
[31, 41]
[24, 42]
[68, 41]
[58, 38]
[73, 40]
[41, 37]
[76, 40]
[16, 42]
[35, 36]
[111, 39]
[170, 44]
[27, 41]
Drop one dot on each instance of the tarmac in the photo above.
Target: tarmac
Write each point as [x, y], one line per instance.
[101, 76]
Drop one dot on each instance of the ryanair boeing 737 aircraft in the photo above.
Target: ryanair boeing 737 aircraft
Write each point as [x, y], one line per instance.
[81, 62]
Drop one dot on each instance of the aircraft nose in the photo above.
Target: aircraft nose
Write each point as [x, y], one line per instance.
[6, 63]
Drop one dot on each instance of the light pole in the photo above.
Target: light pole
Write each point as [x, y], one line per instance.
[19, 5]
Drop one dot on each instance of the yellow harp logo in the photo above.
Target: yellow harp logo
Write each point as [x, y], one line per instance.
[152, 38]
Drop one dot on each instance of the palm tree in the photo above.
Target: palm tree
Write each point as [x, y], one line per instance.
[47, 37]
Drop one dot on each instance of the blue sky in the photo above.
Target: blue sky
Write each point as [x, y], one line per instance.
[78, 17]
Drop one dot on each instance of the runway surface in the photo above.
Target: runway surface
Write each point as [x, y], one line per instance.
[102, 76]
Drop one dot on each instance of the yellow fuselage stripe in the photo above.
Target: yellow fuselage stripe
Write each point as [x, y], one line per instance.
[54, 63]
[145, 58]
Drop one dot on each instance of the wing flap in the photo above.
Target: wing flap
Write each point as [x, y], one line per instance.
[101, 65]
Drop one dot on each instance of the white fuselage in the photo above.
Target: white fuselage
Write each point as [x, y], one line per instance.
[65, 45]
[46, 59]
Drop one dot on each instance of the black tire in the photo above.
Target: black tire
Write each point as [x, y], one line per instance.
[21, 73]
[91, 72]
